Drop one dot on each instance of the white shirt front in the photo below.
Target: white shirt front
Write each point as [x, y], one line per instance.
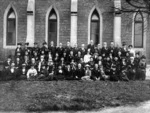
[87, 58]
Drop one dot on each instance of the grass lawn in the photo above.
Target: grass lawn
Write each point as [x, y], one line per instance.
[70, 95]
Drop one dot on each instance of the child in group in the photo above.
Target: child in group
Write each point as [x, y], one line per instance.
[32, 73]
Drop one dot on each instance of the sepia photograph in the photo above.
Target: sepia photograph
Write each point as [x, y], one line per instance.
[75, 56]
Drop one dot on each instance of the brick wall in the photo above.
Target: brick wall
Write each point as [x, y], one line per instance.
[63, 7]
[20, 6]
[126, 30]
[84, 9]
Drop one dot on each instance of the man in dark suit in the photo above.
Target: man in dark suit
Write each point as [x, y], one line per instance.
[60, 50]
[104, 50]
[124, 50]
[27, 49]
[35, 49]
[111, 49]
[44, 49]
[96, 75]
[83, 50]
[91, 47]
[75, 49]
[7, 63]
[68, 48]
[80, 71]
[23, 72]
[18, 51]
[68, 73]
[52, 48]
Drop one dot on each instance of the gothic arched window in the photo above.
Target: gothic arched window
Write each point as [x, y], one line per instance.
[95, 27]
[138, 30]
[52, 27]
[11, 28]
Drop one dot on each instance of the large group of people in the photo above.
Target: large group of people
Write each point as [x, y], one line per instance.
[92, 62]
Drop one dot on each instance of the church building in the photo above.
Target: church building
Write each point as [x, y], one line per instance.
[76, 21]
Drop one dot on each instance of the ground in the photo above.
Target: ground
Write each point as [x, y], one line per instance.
[70, 95]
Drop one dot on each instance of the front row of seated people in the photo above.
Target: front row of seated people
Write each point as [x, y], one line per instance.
[61, 63]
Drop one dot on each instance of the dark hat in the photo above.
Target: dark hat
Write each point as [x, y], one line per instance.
[9, 56]
[123, 43]
[32, 65]
[19, 44]
[130, 46]
[137, 53]
[123, 58]
[27, 43]
[43, 65]
[44, 43]
[143, 57]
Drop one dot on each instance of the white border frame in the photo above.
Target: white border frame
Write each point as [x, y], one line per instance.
[101, 24]
[46, 23]
[5, 27]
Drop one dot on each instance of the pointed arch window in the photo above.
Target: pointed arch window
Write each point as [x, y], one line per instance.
[138, 30]
[95, 27]
[52, 27]
[11, 28]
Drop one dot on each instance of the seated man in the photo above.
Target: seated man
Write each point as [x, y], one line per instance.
[59, 74]
[32, 73]
[79, 71]
[51, 70]
[96, 73]
[23, 72]
[43, 74]
[68, 73]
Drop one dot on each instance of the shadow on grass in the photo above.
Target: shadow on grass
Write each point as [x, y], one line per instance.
[43, 104]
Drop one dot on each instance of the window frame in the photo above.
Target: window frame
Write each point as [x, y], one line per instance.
[139, 22]
[9, 19]
[5, 26]
[47, 22]
[52, 20]
[98, 21]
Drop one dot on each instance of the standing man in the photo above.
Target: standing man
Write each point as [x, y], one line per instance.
[35, 49]
[105, 51]
[112, 48]
[18, 51]
[52, 48]
[91, 47]
[60, 50]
